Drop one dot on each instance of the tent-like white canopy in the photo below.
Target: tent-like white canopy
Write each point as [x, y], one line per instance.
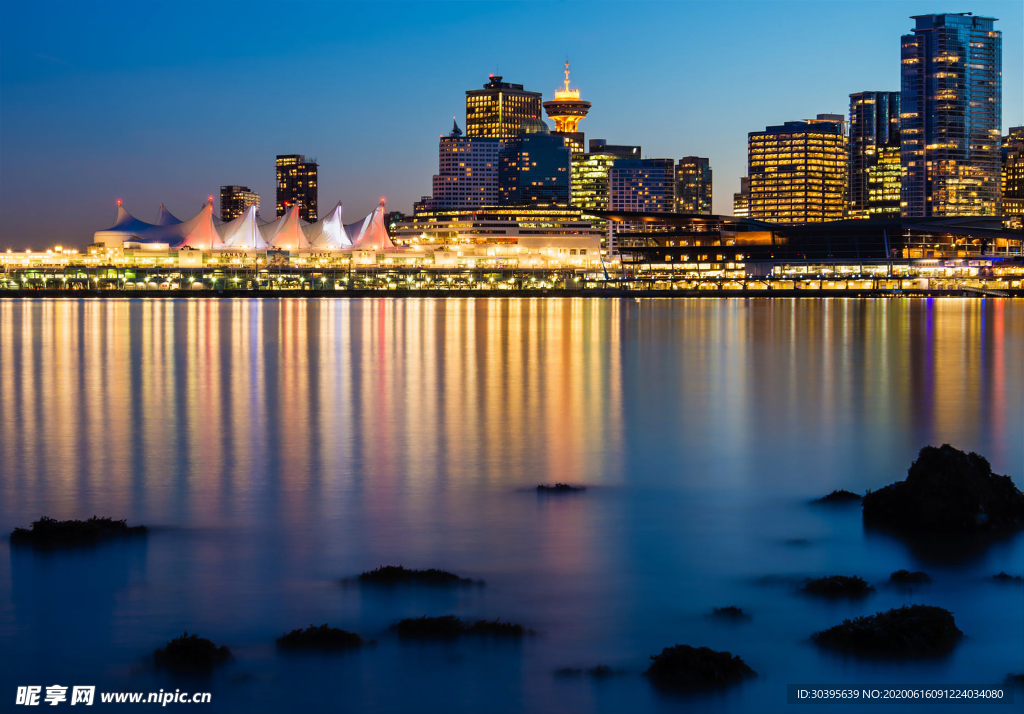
[204, 231]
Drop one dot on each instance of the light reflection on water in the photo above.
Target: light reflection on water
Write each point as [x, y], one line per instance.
[278, 446]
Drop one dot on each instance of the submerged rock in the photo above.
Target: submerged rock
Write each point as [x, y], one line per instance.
[397, 574]
[913, 631]
[560, 488]
[450, 627]
[839, 496]
[729, 612]
[320, 638]
[906, 577]
[1006, 578]
[190, 654]
[838, 586]
[683, 668]
[49, 532]
[947, 491]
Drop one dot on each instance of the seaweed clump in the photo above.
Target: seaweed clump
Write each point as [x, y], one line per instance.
[398, 575]
[837, 586]
[839, 496]
[906, 577]
[190, 654]
[451, 627]
[50, 533]
[320, 638]
[685, 669]
[911, 631]
[947, 491]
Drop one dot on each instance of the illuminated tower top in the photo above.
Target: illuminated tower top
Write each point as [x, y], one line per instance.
[567, 109]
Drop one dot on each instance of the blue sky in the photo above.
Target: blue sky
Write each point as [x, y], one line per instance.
[152, 102]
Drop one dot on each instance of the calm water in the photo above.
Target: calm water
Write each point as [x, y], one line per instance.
[277, 447]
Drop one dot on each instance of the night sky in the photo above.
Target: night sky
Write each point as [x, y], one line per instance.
[154, 103]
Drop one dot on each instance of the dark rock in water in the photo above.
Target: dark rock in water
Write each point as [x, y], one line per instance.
[1008, 579]
[601, 671]
[947, 491]
[560, 488]
[913, 631]
[450, 627]
[838, 586]
[397, 574]
[839, 496]
[685, 669]
[729, 612]
[49, 532]
[320, 638]
[1015, 679]
[906, 577]
[190, 654]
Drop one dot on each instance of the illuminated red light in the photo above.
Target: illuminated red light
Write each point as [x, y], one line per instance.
[119, 202]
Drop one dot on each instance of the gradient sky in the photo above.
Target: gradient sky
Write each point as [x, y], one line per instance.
[153, 102]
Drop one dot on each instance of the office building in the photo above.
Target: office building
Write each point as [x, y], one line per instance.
[534, 168]
[499, 109]
[567, 110]
[235, 199]
[883, 184]
[741, 200]
[874, 125]
[297, 185]
[589, 187]
[638, 186]
[1013, 173]
[467, 172]
[693, 185]
[950, 116]
[798, 171]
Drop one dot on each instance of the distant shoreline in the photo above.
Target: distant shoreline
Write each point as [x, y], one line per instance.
[548, 293]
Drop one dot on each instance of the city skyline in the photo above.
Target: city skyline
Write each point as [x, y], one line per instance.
[86, 125]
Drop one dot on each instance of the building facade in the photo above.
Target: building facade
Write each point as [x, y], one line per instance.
[235, 199]
[950, 116]
[534, 168]
[467, 172]
[297, 185]
[693, 185]
[638, 186]
[883, 184]
[499, 109]
[1013, 174]
[589, 187]
[874, 126]
[798, 171]
[741, 200]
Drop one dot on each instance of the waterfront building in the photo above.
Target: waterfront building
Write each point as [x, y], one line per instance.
[297, 185]
[235, 199]
[693, 185]
[874, 126]
[639, 186]
[499, 109]
[798, 171]
[883, 183]
[567, 110]
[950, 116]
[467, 172]
[741, 200]
[534, 168]
[589, 186]
[1013, 174]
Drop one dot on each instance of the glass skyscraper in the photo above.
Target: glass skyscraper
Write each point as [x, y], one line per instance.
[874, 127]
[950, 116]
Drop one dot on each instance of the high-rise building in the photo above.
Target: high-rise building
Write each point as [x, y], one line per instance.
[467, 172]
[950, 116]
[646, 185]
[693, 185]
[296, 185]
[874, 124]
[883, 183]
[798, 171]
[741, 200]
[590, 173]
[1013, 173]
[567, 110]
[235, 199]
[499, 109]
[534, 169]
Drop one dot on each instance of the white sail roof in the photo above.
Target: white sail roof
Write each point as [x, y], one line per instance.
[371, 233]
[329, 232]
[166, 218]
[243, 233]
[286, 232]
[200, 232]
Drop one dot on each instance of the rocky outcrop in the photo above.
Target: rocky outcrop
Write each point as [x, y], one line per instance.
[684, 669]
[51, 533]
[913, 631]
[190, 654]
